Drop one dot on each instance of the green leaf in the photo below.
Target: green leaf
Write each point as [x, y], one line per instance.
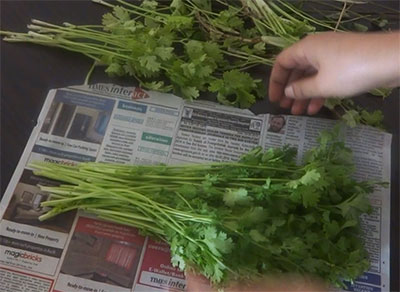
[190, 92]
[373, 119]
[382, 23]
[360, 27]
[349, 223]
[213, 51]
[273, 226]
[267, 184]
[312, 265]
[237, 79]
[331, 103]
[234, 197]
[177, 22]
[157, 86]
[259, 48]
[203, 4]
[218, 242]
[236, 89]
[352, 118]
[150, 63]
[277, 41]
[194, 49]
[115, 69]
[121, 13]
[165, 53]
[109, 20]
[310, 177]
[332, 228]
[188, 191]
[228, 20]
[178, 261]
[189, 69]
[216, 85]
[178, 6]
[204, 71]
[257, 236]
[149, 4]
[381, 92]
[132, 25]
[310, 198]
[256, 215]
[352, 209]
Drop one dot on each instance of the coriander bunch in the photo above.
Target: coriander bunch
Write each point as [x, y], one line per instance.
[264, 214]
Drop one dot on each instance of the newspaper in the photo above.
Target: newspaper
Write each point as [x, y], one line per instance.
[108, 123]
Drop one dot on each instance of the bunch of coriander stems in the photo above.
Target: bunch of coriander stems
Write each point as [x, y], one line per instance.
[122, 194]
[135, 184]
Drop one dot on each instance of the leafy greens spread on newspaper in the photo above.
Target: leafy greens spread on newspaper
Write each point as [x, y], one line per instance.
[263, 214]
[191, 47]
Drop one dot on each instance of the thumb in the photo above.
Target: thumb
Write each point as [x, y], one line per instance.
[197, 283]
[308, 87]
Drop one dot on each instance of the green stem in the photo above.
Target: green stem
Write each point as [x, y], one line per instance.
[89, 74]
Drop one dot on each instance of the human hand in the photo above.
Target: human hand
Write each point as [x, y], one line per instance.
[287, 283]
[334, 65]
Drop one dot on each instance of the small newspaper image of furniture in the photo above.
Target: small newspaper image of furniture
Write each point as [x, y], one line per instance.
[102, 259]
[76, 122]
[25, 208]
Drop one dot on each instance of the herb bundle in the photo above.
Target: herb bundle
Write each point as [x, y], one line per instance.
[190, 47]
[264, 214]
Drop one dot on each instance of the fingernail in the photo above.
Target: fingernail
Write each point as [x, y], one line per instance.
[289, 92]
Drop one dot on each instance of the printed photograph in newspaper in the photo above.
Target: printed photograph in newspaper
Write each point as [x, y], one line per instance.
[101, 254]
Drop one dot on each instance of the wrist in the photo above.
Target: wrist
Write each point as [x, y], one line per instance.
[387, 59]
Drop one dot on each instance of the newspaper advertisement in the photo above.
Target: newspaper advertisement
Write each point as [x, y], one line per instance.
[108, 123]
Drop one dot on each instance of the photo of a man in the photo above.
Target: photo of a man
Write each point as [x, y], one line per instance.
[277, 124]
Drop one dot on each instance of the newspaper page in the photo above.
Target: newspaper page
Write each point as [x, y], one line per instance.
[108, 123]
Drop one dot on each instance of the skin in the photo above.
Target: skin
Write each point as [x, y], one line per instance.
[284, 283]
[334, 65]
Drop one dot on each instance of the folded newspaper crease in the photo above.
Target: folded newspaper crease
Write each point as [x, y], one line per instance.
[109, 123]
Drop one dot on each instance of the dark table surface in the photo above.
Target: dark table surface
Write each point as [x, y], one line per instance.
[28, 72]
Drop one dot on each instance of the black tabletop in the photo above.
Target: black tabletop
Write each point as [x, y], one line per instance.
[28, 72]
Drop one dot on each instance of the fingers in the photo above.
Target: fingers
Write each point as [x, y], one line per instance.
[308, 87]
[287, 283]
[286, 102]
[302, 86]
[315, 105]
[290, 283]
[292, 58]
[294, 79]
[299, 106]
[197, 283]
[294, 75]
[278, 80]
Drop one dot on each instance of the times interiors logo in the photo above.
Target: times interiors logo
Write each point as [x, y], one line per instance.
[120, 91]
[139, 93]
[23, 255]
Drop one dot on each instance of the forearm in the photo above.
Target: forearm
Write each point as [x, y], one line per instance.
[364, 61]
[385, 51]
[395, 50]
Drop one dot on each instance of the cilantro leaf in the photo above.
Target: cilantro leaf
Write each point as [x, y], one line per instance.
[165, 53]
[150, 63]
[236, 197]
[257, 236]
[190, 92]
